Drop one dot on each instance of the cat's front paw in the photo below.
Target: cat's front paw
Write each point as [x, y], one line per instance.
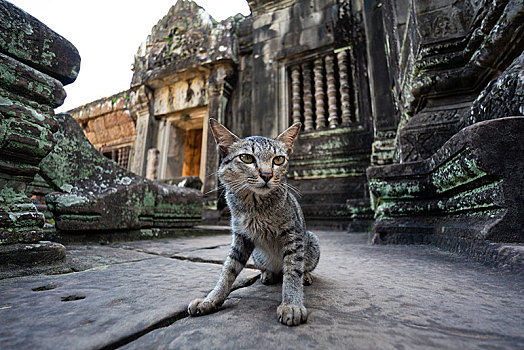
[200, 307]
[291, 314]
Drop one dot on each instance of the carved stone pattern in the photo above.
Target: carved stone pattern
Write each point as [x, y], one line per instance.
[441, 24]
[295, 83]
[308, 96]
[345, 103]
[319, 94]
[331, 91]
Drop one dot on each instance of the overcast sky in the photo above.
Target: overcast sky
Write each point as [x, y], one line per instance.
[107, 33]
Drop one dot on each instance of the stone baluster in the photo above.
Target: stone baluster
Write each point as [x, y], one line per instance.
[308, 97]
[345, 102]
[331, 91]
[319, 93]
[296, 98]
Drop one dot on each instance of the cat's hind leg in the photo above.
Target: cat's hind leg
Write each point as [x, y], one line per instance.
[311, 252]
[308, 278]
[268, 277]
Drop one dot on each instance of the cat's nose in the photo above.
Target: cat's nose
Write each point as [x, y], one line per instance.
[266, 175]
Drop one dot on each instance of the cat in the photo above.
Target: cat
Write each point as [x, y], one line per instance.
[266, 221]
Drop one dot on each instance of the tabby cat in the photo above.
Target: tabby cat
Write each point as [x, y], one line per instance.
[266, 220]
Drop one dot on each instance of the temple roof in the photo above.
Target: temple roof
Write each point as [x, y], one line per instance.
[185, 38]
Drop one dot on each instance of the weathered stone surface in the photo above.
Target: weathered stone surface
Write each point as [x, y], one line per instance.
[471, 188]
[503, 96]
[451, 64]
[107, 123]
[211, 249]
[327, 169]
[34, 63]
[187, 37]
[100, 307]
[367, 297]
[363, 296]
[29, 255]
[85, 257]
[28, 40]
[96, 194]
[440, 55]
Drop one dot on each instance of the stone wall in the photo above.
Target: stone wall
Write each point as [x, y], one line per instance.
[305, 61]
[454, 75]
[109, 126]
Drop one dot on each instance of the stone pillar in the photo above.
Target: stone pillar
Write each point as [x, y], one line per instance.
[345, 102]
[331, 91]
[32, 75]
[308, 96]
[319, 94]
[219, 90]
[296, 98]
[141, 101]
[152, 164]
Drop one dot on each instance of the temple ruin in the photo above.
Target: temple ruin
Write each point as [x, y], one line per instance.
[412, 117]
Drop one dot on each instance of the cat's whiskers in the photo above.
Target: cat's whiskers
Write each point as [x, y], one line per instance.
[292, 188]
[221, 187]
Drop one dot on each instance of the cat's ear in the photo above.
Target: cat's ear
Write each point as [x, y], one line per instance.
[289, 135]
[223, 137]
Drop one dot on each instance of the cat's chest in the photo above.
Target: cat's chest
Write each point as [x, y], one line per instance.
[257, 227]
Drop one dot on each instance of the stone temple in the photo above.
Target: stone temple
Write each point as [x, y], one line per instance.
[409, 168]
[412, 116]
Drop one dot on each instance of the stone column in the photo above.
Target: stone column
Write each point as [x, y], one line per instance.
[152, 164]
[32, 76]
[319, 93]
[296, 98]
[331, 91]
[308, 96]
[345, 102]
[140, 106]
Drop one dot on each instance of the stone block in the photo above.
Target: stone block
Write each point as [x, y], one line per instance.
[97, 195]
[29, 41]
[34, 63]
[471, 188]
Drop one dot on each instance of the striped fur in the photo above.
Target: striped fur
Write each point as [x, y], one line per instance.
[266, 221]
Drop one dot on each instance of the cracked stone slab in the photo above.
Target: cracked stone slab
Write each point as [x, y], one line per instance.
[84, 257]
[368, 297]
[169, 247]
[211, 249]
[101, 306]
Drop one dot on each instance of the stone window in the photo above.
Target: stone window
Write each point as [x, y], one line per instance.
[119, 155]
[321, 90]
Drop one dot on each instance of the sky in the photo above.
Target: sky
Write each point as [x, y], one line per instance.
[107, 34]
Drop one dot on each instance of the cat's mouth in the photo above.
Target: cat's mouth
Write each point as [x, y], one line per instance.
[262, 189]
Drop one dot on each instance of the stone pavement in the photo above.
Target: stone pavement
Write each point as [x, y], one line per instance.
[133, 295]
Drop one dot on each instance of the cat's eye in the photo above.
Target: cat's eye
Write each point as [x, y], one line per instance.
[279, 160]
[247, 158]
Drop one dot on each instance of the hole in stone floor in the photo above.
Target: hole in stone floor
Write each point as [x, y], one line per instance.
[72, 297]
[42, 288]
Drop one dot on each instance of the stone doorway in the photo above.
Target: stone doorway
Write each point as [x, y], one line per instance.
[192, 152]
[180, 145]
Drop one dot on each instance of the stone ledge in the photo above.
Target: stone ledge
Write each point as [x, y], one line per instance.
[471, 188]
[32, 254]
